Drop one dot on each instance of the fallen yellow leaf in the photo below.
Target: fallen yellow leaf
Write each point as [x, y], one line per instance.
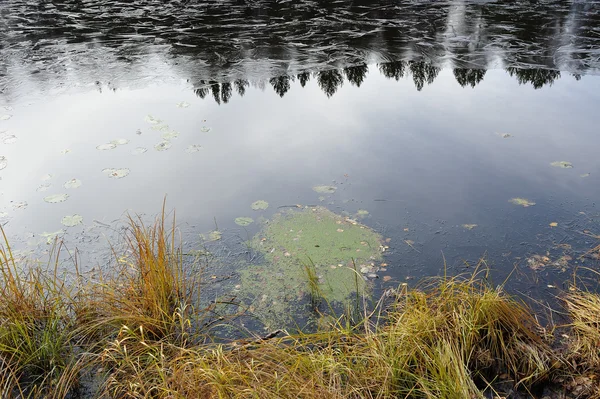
[553, 224]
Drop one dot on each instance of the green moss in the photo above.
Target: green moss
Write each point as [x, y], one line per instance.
[337, 246]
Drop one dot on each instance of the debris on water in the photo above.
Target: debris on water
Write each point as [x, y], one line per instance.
[56, 198]
[3, 162]
[65, 151]
[522, 202]
[152, 120]
[71, 220]
[20, 205]
[553, 224]
[325, 189]
[193, 148]
[469, 226]
[50, 237]
[205, 129]
[116, 173]
[182, 104]
[505, 135]
[73, 183]
[562, 164]
[259, 205]
[386, 278]
[215, 235]
[5, 117]
[119, 142]
[243, 221]
[361, 213]
[43, 187]
[163, 146]
[585, 175]
[47, 176]
[163, 127]
[3, 214]
[138, 132]
[107, 146]
[10, 139]
[139, 150]
[538, 262]
[170, 135]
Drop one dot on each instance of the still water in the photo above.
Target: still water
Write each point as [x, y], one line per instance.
[431, 117]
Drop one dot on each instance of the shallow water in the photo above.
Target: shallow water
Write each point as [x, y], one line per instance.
[428, 116]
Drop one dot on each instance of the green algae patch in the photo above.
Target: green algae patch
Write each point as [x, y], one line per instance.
[294, 240]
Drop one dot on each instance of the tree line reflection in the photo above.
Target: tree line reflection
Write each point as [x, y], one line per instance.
[330, 80]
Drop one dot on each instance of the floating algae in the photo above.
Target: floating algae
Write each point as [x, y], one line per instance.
[325, 189]
[56, 198]
[522, 202]
[297, 239]
[259, 205]
[243, 221]
[562, 164]
[71, 220]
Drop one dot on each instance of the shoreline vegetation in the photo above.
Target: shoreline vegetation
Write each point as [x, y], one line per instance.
[143, 331]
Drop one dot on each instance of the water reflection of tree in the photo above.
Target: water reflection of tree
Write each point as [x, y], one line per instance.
[281, 84]
[469, 77]
[329, 81]
[537, 77]
[356, 74]
[422, 72]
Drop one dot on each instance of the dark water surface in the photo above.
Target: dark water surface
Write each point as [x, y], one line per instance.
[429, 115]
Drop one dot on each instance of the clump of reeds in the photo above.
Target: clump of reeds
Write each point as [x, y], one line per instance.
[584, 311]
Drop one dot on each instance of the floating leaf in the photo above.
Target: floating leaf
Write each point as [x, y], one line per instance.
[562, 164]
[163, 146]
[139, 150]
[119, 141]
[107, 146]
[215, 235]
[47, 176]
[44, 187]
[20, 205]
[386, 278]
[537, 262]
[259, 205]
[505, 135]
[161, 128]
[3, 162]
[71, 220]
[73, 183]
[152, 120]
[585, 175]
[65, 151]
[138, 132]
[205, 129]
[469, 226]
[325, 189]
[553, 224]
[170, 135]
[56, 198]
[10, 139]
[5, 117]
[243, 221]
[522, 202]
[183, 104]
[361, 213]
[116, 173]
[193, 148]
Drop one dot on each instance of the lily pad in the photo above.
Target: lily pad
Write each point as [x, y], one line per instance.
[119, 141]
[182, 104]
[65, 151]
[116, 173]
[50, 237]
[243, 221]
[152, 120]
[325, 189]
[259, 205]
[522, 202]
[163, 146]
[56, 198]
[139, 150]
[193, 148]
[469, 226]
[73, 183]
[47, 176]
[3, 162]
[215, 235]
[585, 175]
[562, 164]
[361, 213]
[10, 139]
[163, 127]
[170, 135]
[5, 117]
[107, 146]
[71, 220]
[205, 129]
[43, 187]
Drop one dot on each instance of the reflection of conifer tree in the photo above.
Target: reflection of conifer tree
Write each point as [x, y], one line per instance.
[356, 74]
[303, 78]
[422, 72]
[537, 77]
[393, 70]
[240, 86]
[329, 81]
[466, 76]
[281, 84]
[202, 91]
[216, 92]
[226, 92]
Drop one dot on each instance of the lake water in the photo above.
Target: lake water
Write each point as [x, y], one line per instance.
[430, 116]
